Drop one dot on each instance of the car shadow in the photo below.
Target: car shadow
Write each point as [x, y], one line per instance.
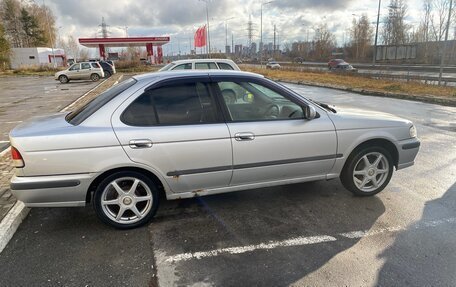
[260, 216]
[425, 253]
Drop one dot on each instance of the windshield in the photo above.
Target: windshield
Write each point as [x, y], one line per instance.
[79, 115]
[167, 67]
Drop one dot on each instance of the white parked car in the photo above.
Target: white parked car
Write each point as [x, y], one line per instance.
[273, 65]
[81, 71]
[201, 64]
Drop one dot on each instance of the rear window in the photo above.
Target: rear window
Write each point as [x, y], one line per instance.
[79, 115]
[225, 66]
[95, 65]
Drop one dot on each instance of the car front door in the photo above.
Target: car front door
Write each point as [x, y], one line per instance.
[176, 129]
[73, 72]
[272, 141]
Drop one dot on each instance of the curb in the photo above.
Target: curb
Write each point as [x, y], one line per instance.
[425, 99]
[10, 223]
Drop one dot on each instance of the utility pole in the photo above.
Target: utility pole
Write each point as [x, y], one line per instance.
[376, 34]
[446, 40]
[232, 43]
[274, 48]
[261, 32]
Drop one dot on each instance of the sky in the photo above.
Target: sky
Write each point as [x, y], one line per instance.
[294, 19]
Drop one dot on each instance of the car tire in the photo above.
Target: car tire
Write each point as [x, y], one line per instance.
[95, 77]
[130, 193]
[63, 79]
[107, 74]
[366, 178]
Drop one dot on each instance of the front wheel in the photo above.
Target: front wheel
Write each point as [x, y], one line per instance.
[126, 199]
[63, 79]
[94, 77]
[368, 171]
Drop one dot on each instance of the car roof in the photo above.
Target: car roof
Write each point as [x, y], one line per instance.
[201, 61]
[192, 73]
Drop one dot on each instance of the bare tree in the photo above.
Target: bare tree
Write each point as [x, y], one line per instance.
[324, 42]
[439, 19]
[361, 34]
[71, 47]
[395, 30]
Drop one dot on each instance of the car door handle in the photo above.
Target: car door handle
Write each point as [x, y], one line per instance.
[141, 143]
[244, 136]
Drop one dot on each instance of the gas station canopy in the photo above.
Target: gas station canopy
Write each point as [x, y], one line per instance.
[149, 42]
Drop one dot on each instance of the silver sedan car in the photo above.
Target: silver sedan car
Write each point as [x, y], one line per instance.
[197, 133]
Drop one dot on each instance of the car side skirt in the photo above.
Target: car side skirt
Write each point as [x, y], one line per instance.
[203, 192]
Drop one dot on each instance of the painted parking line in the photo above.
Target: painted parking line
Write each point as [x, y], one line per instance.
[301, 241]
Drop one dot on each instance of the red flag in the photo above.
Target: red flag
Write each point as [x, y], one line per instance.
[200, 37]
[196, 38]
[203, 36]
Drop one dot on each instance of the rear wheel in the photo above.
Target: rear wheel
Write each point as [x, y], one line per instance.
[368, 171]
[95, 77]
[126, 199]
[107, 74]
[63, 79]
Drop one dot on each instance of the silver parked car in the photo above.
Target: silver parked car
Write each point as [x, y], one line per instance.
[198, 133]
[81, 71]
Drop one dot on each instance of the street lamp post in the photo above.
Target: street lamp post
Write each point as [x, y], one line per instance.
[226, 34]
[208, 36]
[376, 34]
[50, 34]
[261, 32]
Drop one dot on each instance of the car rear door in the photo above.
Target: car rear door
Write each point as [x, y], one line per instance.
[271, 139]
[86, 70]
[175, 128]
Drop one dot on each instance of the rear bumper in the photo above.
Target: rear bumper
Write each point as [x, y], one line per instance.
[52, 191]
[408, 149]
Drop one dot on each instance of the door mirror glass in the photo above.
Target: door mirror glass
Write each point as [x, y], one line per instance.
[309, 112]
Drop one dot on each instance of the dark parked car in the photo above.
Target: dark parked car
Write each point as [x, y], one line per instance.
[332, 64]
[298, 60]
[108, 69]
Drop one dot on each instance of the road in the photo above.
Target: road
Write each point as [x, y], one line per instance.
[383, 71]
[23, 97]
[304, 234]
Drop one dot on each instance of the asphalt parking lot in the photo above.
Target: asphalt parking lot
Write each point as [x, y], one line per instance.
[21, 97]
[311, 234]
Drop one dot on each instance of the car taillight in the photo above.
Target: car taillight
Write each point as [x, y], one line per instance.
[18, 161]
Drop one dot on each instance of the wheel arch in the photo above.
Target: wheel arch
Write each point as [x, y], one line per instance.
[93, 185]
[381, 142]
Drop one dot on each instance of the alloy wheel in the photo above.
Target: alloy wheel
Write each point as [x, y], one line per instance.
[126, 200]
[371, 171]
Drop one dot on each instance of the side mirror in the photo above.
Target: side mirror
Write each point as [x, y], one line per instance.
[309, 112]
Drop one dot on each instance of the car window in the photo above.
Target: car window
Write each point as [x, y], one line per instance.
[176, 104]
[254, 102]
[85, 66]
[167, 67]
[75, 67]
[187, 66]
[206, 66]
[225, 66]
[78, 116]
[94, 65]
